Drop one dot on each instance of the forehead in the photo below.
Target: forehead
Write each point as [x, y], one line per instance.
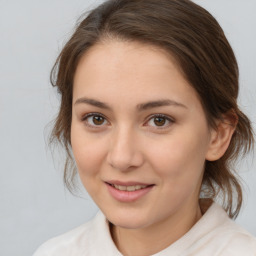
[131, 70]
[117, 56]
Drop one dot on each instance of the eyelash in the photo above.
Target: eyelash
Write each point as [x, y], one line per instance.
[87, 116]
[167, 119]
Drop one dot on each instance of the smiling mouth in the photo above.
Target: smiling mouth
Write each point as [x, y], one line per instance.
[127, 192]
[129, 188]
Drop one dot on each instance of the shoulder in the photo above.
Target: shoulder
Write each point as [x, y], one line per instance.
[240, 243]
[74, 242]
[215, 234]
[235, 240]
[226, 237]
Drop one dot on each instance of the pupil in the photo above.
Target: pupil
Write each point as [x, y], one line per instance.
[98, 120]
[159, 121]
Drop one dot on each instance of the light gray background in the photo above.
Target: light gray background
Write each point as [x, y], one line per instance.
[34, 205]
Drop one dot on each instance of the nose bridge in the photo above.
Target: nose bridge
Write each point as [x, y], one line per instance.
[124, 149]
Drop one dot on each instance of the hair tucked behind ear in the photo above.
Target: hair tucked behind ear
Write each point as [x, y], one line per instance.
[194, 38]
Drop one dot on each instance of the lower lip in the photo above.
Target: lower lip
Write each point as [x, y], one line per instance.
[128, 196]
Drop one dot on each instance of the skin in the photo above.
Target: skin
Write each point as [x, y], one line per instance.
[126, 143]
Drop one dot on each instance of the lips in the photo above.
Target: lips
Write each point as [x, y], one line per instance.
[128, 191]
[128, 188]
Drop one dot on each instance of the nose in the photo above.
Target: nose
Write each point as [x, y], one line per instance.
[124, 150]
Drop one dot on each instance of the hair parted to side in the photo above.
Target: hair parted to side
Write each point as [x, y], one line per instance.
[195, 39]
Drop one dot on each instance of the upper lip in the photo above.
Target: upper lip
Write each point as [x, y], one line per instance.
[127, 183]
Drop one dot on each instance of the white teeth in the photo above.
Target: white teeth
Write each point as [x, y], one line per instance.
[131, 188]
[121, 187]
[128, 188]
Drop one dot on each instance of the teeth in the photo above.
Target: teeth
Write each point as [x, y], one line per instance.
[129, 188]
[120, 187]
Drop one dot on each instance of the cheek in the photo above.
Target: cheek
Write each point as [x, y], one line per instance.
[180, 158]
[88, 152]
[179, 165]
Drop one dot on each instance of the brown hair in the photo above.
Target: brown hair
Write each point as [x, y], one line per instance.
[194, 38]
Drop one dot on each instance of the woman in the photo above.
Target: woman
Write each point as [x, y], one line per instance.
[149, 113]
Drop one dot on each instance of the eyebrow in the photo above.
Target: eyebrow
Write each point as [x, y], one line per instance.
[92, 102]
[159, 103]
[140, 107]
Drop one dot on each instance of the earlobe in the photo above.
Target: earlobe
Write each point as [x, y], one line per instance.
[221, 137]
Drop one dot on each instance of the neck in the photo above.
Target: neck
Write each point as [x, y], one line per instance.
[152, 239]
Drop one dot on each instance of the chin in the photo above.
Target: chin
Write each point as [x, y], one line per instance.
[128, 219]
[128, 224]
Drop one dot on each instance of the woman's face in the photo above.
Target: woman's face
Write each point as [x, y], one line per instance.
[139, 134]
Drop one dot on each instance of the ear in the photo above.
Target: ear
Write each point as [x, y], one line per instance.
[221, 136]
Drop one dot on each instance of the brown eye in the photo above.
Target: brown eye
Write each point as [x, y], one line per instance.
[98, 120]
[94, 120]
[159, 121]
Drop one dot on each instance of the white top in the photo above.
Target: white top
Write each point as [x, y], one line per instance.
[215, 234]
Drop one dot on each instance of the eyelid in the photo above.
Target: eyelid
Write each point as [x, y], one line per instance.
[167, 117]
[86, 116]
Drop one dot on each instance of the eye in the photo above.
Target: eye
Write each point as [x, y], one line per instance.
[160, 121]
[94, 120]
